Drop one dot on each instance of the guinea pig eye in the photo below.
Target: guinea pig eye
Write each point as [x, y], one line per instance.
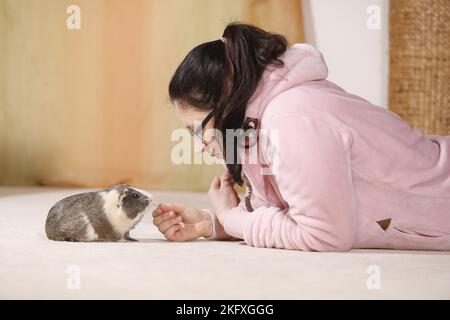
[135, 195]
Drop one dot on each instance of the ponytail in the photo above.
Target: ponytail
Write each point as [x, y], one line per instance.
[224, 74]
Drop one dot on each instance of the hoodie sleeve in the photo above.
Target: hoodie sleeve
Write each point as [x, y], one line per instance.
[314, 178]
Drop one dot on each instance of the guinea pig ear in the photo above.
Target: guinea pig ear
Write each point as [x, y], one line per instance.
[122, 193]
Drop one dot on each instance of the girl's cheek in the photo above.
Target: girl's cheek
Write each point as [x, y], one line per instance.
[212, 151]
[217, 151]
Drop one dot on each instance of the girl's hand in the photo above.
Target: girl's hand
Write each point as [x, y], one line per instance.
[180, 223]
[222, 195]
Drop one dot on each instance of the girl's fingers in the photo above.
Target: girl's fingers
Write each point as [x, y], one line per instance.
[178, 207]
[163, 217]
[165, 207]
[215, 184]
[164, 226]
[170, 233]
[226, 174]
[161, 209]
[225, 179]
[157, 211]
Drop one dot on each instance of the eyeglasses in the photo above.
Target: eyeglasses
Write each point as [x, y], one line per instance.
[198, 131]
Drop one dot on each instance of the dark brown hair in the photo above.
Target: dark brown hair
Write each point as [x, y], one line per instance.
[223, 75]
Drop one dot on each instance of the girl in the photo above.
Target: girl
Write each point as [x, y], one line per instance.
[346, 173]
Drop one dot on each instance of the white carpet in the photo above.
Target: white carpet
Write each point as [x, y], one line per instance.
[32, 267]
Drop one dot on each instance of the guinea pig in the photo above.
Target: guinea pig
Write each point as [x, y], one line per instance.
[104, 215]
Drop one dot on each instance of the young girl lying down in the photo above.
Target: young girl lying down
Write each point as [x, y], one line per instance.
[347, 174]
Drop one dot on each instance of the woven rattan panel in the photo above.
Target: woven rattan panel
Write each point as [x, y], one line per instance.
[419, 81]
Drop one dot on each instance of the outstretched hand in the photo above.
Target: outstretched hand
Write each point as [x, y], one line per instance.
[178, 222]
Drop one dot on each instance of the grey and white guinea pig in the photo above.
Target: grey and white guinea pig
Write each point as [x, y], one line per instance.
[104, 215]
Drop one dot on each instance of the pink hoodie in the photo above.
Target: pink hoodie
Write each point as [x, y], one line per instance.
[350, 174]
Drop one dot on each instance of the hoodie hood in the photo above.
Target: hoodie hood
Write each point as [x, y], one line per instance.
[302, 63]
